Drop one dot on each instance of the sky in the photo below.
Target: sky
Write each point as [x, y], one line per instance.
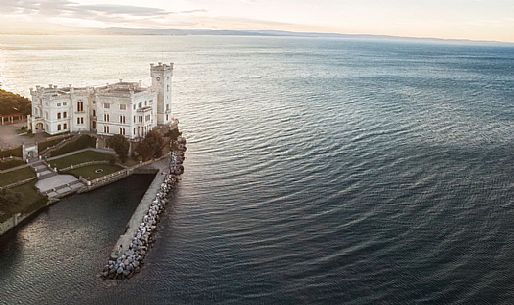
[448, 19]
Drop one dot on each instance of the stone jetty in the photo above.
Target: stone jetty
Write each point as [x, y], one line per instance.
[128, 254]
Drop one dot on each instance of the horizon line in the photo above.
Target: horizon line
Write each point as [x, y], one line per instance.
[242, 32]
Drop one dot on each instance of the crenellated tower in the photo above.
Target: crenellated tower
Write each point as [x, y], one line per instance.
[161, 82]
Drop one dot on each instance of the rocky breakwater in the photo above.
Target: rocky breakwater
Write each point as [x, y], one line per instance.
[129, 262]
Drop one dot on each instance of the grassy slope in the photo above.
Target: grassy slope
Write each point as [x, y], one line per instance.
[10, 164]
[17, 175]
[84, 141]
[31, 200]
[16, 152]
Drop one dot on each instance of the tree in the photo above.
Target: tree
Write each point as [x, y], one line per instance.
[120, 145]
[173, 134]
[11, 103]
[151, 146]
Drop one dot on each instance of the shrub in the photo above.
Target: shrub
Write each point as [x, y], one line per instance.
[120, 145]
[173, 134]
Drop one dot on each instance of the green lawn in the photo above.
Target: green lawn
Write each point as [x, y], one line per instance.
[17, 175]
[10, 164]
[30, 201]
[79, 158]
[90, 172]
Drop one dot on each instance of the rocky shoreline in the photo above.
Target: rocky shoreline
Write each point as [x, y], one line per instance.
[129, 262]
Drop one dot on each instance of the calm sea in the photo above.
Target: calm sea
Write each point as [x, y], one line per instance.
[319, 171]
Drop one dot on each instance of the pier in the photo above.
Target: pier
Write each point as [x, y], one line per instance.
[129, 251]
[123, 243]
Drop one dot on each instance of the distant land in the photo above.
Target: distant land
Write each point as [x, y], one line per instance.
[269, 33]
[278, 33]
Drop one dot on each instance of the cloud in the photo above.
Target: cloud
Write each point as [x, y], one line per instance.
[113, 9]
[70, 9]
[193, 11]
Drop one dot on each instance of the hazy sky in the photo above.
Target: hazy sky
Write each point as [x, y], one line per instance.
[468, 19]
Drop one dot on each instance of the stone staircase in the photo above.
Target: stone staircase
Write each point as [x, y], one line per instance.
[42, 169]
[64, 190]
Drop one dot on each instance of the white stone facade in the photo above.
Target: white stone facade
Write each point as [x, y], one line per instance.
[124, 108]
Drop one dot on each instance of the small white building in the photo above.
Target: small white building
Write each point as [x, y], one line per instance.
[124, 108]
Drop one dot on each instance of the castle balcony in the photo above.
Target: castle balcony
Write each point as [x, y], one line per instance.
[145, 109]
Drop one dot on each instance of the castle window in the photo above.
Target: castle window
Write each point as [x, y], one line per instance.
[134, 106]
[107, 105]
[168, 88]
[59, 127]
[139, 105]
[123, 107]
[80, 106]
[65, 126]
[122, 131]
[106, 117]
[106, 129]
[64, 103]
[58, 104]
[58, 115]
[122, 119]
[94, 112]
[65, 114]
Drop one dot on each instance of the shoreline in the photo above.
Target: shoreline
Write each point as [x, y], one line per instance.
[19, 218]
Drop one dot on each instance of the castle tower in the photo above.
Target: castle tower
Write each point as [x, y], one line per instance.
[161, 82]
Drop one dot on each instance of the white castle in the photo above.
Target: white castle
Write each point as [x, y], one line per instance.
[123, 108]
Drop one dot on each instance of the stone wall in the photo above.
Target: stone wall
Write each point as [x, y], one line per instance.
[15, 220]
